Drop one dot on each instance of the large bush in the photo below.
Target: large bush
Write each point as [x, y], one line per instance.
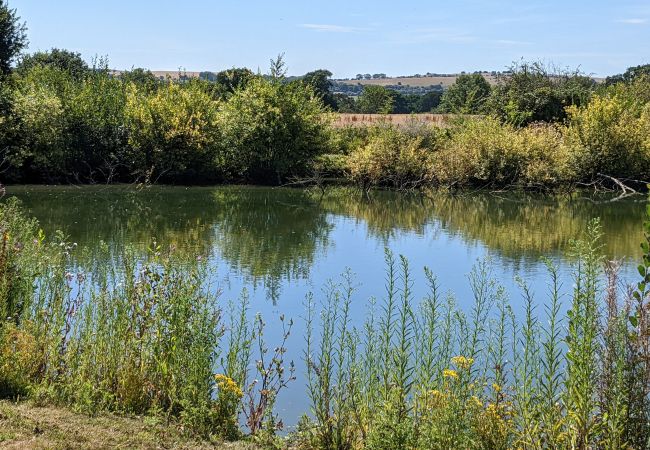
[41, 151]
[271, 130]
[484, 152]
[96, 131]
[530, 92]
[172, 132]
[68, 129]
[391, 157]
[611, 135]
[468, 95]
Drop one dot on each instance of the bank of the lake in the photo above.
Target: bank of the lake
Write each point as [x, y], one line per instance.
[194, 267]
[28, 426]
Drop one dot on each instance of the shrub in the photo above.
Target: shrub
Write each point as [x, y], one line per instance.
[391, 158]
[530, 92]
[172, 132]
[375, 100]
[610, 136]
[97, 132]
[488, 153]
[467, 95]
[42, 151]
[271, 130]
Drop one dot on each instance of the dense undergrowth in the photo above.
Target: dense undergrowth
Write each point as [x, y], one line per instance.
[57, 126]
[607, 137]
[150, 336]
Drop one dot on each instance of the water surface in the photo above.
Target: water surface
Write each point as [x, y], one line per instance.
[282, 243]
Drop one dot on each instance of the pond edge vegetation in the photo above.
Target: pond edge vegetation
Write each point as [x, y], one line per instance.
[538, 127]
[153, 337]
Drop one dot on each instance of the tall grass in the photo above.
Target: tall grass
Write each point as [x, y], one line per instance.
[148, 335]
[145, 335]
[428, 375]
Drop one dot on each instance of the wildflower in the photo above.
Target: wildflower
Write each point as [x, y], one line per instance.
[435, 393]
[462, 362]
[228, 385]
[437, 398]
[477, 401]
[449, 373]
[496, 388]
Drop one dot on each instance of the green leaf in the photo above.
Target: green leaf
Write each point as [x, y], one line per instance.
[634, 320]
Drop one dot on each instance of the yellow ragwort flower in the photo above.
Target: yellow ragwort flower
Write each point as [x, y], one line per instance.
[449, 373]
[437, 398]
[462, 362]
[228, 385]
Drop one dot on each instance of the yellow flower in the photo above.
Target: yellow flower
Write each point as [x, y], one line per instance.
[462, 362]
[449, 373]
[435, 393]
[496, 388]
[437, 398]
[228, 385]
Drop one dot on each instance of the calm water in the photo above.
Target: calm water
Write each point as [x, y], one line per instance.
[282, 243]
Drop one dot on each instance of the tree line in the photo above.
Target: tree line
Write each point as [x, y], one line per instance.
[63, 120]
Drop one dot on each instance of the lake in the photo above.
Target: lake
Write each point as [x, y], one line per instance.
[281, 243]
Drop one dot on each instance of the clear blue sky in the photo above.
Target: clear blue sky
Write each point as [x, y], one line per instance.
[601, 36]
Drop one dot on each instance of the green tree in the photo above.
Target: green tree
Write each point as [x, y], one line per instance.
[319, 80]
[41, 151]
[530, 92]
[13, 37]
[344, 103]
[61, 59]
[375, 100]
[97, 134]
[428, 102]
[232, 79]
[631, 74]
[173, 132]
[467, 95]
[143, 78]
[271, 130]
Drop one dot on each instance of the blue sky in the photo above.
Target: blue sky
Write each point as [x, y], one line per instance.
[601, 37]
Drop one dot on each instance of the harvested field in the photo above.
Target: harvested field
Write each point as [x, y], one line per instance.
[444, 81]
[360, 120]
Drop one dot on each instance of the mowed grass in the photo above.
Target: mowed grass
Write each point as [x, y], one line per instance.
[27, 426]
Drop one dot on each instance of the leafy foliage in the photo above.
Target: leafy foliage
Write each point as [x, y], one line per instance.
[375, 100]
[532, 93]
[13, 37]
[467, 95]
[172, 132]
[271, 130]
[61, 59]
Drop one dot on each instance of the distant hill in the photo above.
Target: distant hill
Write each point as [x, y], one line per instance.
[407, 84]
[442, 80]
[164, 74]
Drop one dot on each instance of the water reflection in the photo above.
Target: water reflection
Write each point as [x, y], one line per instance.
[269, 235]
[277, 235]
